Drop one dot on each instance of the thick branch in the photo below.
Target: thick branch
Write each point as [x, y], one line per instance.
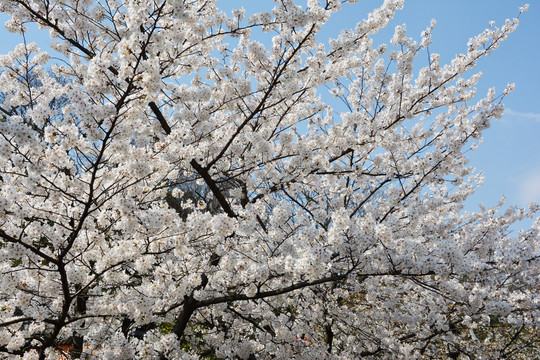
[329, 336]
[271, 293]
[15, 321]
[36, 251]
[213, 187]
[190, 305]
[160, 117]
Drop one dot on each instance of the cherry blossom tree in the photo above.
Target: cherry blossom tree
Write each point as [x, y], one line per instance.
[179, 182]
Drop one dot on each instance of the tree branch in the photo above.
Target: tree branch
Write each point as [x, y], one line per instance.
[214, 188]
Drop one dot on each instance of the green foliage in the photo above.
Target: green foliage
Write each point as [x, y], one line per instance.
[166, 327]
[16, 262]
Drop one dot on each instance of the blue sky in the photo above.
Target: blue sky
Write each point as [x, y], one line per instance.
[510, 154]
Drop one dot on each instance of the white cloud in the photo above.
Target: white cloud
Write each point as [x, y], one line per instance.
[529, 188]
[521, 115]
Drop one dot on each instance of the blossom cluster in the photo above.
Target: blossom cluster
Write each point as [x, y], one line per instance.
[180, 187]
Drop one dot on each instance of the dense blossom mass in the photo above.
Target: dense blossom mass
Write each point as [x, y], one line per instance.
[177, 182]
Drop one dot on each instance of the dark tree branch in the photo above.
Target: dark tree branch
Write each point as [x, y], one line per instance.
[190, 305]
[203, 172]
[270, 293]
[160, 117]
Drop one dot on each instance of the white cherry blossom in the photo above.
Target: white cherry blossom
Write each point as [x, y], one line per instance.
[177, 182]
